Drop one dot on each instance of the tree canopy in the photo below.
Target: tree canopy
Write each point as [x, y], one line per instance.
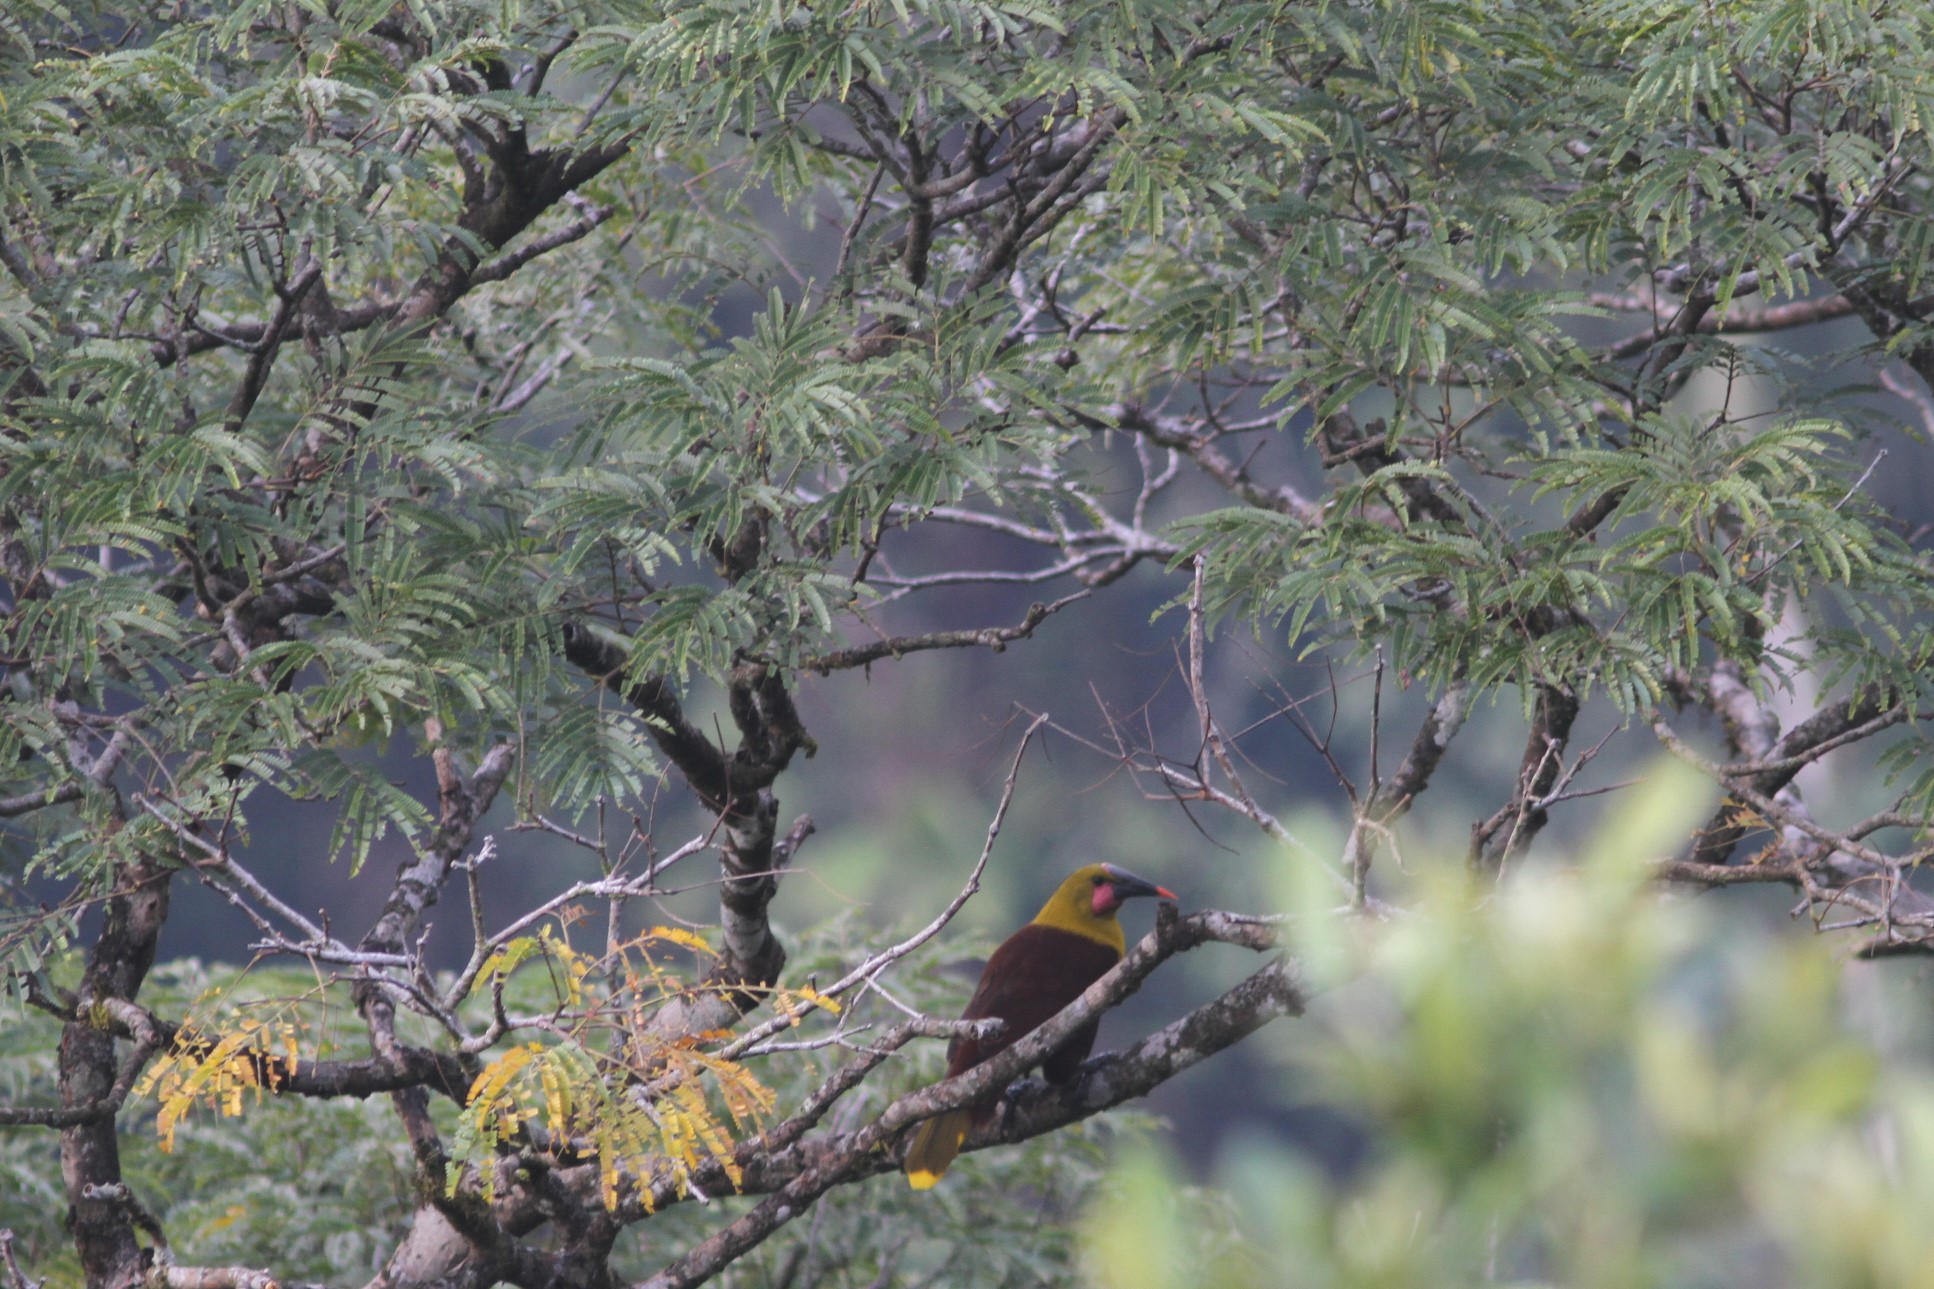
[542, 393]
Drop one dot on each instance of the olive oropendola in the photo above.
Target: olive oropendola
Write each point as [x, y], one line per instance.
[1041, 968]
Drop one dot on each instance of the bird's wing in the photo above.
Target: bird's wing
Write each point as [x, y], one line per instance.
[1034, 974]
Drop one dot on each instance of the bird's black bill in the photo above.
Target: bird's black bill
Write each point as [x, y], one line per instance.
[1128, 886]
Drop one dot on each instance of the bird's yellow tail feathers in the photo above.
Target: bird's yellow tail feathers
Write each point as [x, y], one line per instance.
[934, 1145]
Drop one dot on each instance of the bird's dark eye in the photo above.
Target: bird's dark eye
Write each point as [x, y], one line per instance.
[1099, 879]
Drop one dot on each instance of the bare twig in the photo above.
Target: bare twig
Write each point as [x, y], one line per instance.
[16, 1278]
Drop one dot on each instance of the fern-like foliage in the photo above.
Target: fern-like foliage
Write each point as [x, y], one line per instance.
[220, 1073]
[410, 413]
[608, 1086]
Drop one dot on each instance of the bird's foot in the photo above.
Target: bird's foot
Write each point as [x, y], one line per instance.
[1004, 1108]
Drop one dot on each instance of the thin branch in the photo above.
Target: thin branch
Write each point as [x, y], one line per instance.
[222, 868]
[601, 888]
[308, 273]
[16, 1278]
[995, 638]
[591, 217]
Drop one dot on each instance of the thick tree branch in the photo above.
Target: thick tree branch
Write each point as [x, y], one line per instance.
[307, 275]
[521, 186]
[1433, 739]
[702, 764]
[1346, 442]
[589, 221]
[420, 882]
[90, 1155]
[1199, 445]
[249, 336]
[1511, 830]
[1774, 759]
[417, 887]
[1781, 317]
[737, 788]
[815, 1167]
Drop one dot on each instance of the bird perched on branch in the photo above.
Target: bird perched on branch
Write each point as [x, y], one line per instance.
[1041, 968]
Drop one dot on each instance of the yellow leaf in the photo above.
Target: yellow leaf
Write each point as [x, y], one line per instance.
[607, 1167]
[816, 998]
[489, 1085]
[679, 936]
[557, 1097]
[164, 1122]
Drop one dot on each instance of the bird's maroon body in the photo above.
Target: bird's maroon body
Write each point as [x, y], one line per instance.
[1071, 943]
[1034, 974]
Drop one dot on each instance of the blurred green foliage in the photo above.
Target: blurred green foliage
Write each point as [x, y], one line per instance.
[1573, 1078]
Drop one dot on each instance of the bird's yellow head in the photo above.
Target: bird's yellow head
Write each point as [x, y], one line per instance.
[1086, 902]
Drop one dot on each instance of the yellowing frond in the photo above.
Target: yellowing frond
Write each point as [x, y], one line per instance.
[678, 936]
[557, 1097]
[216, 1073]
[638, 1130]
[817, 999]
[504, 960]
[488, 1087]
[576, 965]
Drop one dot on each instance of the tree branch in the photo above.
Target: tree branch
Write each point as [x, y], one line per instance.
[812, 1168]
[117, 965]
[1492, 843]
[995, 638]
